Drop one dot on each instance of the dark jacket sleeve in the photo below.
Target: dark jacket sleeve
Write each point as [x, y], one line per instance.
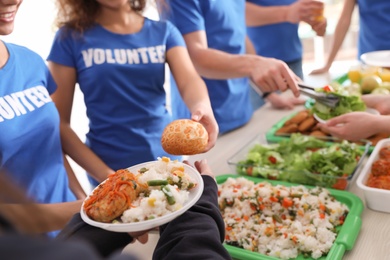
[104, 242]
[196, 234]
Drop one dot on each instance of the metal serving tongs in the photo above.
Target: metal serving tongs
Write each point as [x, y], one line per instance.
[327, 99]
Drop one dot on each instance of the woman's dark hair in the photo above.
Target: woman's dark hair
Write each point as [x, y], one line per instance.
[81, 14]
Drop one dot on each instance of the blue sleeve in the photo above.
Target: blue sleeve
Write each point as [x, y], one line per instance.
[62, 49]
[174, 37]
[51, 84]
[186, 15]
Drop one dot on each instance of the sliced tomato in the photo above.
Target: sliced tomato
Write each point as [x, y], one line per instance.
[341, 183]
[272, 159]
[328, 88]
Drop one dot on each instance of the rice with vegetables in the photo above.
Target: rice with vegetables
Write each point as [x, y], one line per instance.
[280, 221]
[168, 190]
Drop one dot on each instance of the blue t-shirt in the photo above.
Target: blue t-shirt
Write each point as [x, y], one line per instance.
[279, 41]
[30, 146]
[122, 78]
[224, 24]
[374, 19]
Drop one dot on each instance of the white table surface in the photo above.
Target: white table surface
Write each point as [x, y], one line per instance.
[373, 241]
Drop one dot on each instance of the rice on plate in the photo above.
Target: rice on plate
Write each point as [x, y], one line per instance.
[168, 190]
[280, 221]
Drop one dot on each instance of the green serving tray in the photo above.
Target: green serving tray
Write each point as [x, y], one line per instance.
[273, 138]
[345, 239]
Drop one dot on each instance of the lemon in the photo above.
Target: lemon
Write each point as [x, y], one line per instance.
[369, 83]
[354, 76]
[385, 75]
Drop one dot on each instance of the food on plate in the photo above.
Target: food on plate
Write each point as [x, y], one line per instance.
[380, 170]
[184, 137]
[111, 198]
[347, 103]
[157, 189]
[280, 221]
[303, 159]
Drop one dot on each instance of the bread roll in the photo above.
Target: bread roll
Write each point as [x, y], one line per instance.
[184, 137]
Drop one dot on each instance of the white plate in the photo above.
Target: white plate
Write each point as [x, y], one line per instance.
[368, 110]
[377, 58]
[193, 197]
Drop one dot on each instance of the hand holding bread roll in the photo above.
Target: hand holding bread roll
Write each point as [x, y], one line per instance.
[184, 137]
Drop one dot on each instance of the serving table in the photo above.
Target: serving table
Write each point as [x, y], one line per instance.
[373, 241]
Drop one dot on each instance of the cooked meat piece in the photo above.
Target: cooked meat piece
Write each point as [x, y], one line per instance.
[380, 167]
[380, 182]
[384, 153]
[112, 197]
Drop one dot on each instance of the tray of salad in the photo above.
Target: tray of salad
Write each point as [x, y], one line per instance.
[301, 159]
[269, 220]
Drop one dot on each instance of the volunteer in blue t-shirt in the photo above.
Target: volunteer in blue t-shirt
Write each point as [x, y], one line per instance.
[374, 29]
[215, 34]
[118, 59]
[264, 18]
[30, 146]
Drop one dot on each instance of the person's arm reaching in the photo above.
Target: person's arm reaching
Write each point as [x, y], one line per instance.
[193, 91]
[275, 99]
[199, 232]
[34, 218]
[339, 34]
[268, 73]
[65, 78]
[74, 183]
[302, 10]
[356, 125]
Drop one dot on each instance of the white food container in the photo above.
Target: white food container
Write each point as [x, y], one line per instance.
[376, 199]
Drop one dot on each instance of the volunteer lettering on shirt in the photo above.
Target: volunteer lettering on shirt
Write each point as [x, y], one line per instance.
[145, 55]
[22, 102]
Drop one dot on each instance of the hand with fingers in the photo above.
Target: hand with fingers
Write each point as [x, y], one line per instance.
[353, 126]
[206, 117]
[302, 10]
[271, 75]
[378, 102]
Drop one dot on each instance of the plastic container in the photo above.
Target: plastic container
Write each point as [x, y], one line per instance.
[302, 177]
[347, 233]
[376, 199]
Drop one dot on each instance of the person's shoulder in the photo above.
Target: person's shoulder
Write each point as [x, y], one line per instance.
[160, 23]
[23, 51]
[67, 32]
